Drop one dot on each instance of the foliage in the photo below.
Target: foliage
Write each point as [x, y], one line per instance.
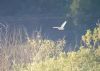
[75, 7]
[81, 10]
[41, 54]
[85, 59]
[82, 60]
[92, 38]
[44, 48]
[17, 48]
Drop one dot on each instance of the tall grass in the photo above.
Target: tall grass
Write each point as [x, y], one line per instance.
[16, 47]
[11, 46]
[82, 60]
[19, 52]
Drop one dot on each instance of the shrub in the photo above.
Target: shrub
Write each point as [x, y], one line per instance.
[92, 38]
[82, 60]
[17, 48]
[85, 59]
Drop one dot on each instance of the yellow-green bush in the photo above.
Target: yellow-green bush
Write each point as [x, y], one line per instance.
[82, 60]
[85, 59]
[16, 49]
[39, 54]
[92, 38]
[45, 48]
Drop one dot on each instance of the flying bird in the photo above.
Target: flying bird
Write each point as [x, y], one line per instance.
[62, 26]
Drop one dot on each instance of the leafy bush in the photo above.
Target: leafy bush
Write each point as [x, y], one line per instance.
[82, 60]
[85, 59]
[17, 48]
[44, 48]
[40, 54]
[92, 39]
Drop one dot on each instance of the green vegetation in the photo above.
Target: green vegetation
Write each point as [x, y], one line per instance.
[19, 52]
[18, 48]
[41, 54]
[82, 60]
[92, 38]
[75, 7]
[78, 6]
[85, 59]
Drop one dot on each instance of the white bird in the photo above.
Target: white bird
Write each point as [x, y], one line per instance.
[62, 26]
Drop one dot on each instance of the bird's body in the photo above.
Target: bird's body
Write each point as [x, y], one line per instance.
[61, 27]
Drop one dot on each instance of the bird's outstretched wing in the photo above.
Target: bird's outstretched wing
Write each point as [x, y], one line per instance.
[55, 27]
[63, 24]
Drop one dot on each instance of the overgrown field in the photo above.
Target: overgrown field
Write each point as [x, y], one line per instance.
[19, 52]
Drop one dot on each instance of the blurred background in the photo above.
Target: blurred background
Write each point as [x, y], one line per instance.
[44, 14]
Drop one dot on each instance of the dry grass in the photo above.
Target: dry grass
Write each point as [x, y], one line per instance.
[17, 48]
[19, 52]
